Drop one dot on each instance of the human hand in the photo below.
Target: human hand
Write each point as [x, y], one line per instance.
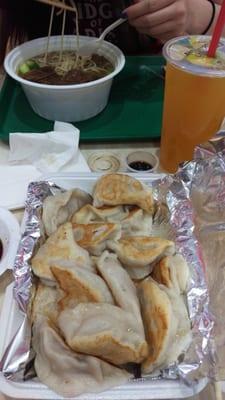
[162, 19]
[165, 19]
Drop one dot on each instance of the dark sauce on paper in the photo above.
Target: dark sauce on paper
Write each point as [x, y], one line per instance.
[140, 165]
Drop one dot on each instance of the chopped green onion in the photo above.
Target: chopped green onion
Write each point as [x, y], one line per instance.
[32, 64]
[28, 66]
[24, 68]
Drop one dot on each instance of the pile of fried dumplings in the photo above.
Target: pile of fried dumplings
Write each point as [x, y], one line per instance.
[108, 293]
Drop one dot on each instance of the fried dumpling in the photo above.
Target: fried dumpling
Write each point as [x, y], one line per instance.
[166, 322]
[137, 223]
[93, 237]
[60, 208]
[183, 334]
[138, 254]
[105, 331]
[80, 285]
[119, 189]
[160, 326]
[134, 221]
[173, 272]
[121, 285]
[68, 373]
[89, 214]
[59, 246]
[45, 302]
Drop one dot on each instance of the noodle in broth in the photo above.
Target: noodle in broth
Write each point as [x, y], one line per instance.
[64, 67]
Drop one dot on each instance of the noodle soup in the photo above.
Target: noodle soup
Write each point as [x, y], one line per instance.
[65, 68]
[58, 83]
[70, 102]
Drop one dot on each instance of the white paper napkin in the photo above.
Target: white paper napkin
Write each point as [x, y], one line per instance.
[13, 187]
[49, 151]
[32, 155]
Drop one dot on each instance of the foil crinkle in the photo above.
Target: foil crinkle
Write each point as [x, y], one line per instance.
[195, 197]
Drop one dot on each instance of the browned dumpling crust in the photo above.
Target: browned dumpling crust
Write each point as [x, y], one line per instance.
[158, 321]
[92, 237]
[167, 325]
[89, 214]
[80, 285]
[139, 253]
[45, 303]
[134, 221]
[161, 272]
[173, 272]
[59, 246]
[118, 189]
[142, 250]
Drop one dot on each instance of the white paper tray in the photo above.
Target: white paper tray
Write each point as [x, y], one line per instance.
[11, 319]
[86, 180]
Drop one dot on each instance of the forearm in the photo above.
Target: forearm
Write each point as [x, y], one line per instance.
[200, 12]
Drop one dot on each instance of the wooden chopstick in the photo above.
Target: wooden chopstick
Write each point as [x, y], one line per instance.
[58, 4]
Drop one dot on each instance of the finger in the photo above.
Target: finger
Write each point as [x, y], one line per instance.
[146, 7]
[169, 13]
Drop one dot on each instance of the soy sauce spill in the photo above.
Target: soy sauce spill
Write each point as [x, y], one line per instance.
[140, 165]
[1, 249]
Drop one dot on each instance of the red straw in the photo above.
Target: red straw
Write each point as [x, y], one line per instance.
[217, 32]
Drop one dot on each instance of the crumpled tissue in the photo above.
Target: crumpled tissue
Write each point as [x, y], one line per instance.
[32, 155]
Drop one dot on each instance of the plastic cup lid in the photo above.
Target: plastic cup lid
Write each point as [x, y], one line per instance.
[190, 54]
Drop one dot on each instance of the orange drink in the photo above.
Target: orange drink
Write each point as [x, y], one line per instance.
[194, 98]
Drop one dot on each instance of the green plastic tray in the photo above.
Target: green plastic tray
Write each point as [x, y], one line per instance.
[134, 111]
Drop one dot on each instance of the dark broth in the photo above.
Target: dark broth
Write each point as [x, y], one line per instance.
[67, 71]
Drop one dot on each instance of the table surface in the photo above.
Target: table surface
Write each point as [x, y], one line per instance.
[87, 150]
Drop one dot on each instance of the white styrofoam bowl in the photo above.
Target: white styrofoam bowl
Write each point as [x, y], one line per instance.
[68, 103]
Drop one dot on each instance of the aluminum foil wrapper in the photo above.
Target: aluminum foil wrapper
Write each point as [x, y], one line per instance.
[193, 217]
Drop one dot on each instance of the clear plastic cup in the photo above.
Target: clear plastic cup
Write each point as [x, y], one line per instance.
[194, 98]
